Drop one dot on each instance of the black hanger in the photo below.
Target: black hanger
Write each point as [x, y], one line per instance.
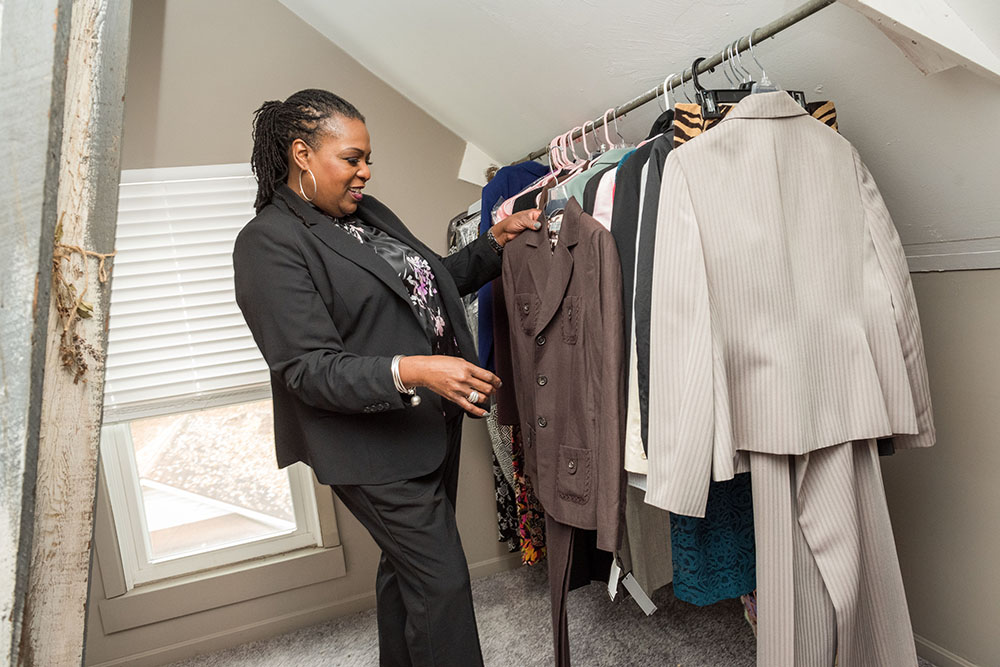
[711, 101]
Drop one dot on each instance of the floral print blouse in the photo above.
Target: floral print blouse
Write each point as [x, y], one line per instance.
[417, 277]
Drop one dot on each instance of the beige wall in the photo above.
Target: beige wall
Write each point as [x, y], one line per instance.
[197, 70]
[945, 501]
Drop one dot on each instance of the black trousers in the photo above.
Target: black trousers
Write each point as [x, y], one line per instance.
[425, 614]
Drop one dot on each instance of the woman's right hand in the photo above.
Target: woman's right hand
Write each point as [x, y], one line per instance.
[453, 378]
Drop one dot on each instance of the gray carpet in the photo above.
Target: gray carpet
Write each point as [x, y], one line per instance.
[514, 626]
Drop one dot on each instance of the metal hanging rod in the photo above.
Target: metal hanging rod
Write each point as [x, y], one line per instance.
[755, 37]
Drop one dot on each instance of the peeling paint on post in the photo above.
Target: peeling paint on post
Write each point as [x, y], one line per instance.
[33, 48]
[57, 72]
[54, 622]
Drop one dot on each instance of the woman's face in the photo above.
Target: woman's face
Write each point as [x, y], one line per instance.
[340, 164]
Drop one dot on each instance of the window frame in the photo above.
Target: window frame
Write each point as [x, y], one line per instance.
[126, 559]
[129, 517]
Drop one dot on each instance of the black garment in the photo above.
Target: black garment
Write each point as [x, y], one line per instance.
[661, 124]
[589, 564]
[634, 232]
[625, 227]
[328, 315]
[526, 201]
[662, 145]
[425, 612]
[590, 190]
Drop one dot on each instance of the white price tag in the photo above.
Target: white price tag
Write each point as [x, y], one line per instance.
[616, 572]
[639, 595]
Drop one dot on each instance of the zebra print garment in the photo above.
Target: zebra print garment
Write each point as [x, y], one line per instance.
[688, 122]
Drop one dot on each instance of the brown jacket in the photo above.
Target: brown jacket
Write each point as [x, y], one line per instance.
[565, 355]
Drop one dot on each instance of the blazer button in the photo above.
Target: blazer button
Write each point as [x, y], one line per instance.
[543, 422]
[540, 340]
[542, 380]
[571, 466]
[525, 308]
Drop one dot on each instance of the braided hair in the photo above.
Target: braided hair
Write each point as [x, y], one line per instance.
[277, 124]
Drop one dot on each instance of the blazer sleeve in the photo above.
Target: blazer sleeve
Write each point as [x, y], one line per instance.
[473, 266]
[294, 331]
[611, 420]
[892, 259]
[681, 368]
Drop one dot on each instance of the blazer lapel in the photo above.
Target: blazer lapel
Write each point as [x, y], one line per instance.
[340, 241]
[552, 284]
[377, 214]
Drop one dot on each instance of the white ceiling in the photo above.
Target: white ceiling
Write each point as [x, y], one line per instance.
[507, 76]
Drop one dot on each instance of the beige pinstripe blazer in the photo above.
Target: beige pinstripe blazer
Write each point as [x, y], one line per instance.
[783, 318]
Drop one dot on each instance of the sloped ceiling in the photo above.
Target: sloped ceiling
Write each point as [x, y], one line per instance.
[507, 76]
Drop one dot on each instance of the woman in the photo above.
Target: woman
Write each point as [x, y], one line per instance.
[363, 330]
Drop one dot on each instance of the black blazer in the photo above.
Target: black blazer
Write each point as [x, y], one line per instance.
[328, 315]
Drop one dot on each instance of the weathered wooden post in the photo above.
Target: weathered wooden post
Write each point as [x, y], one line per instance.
[61, 138]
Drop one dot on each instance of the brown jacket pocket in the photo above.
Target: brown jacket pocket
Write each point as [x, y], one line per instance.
[573, 476]
[571, 319]
[526, 305]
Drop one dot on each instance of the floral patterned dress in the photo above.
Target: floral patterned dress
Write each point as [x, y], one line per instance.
[417, 277]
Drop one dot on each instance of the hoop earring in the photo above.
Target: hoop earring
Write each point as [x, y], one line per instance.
[303, 192]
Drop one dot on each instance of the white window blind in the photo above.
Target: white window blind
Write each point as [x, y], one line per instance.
[176, 338]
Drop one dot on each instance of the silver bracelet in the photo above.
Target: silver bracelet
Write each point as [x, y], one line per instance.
[398, 382]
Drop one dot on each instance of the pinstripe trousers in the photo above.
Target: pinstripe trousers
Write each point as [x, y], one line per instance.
[828, 579]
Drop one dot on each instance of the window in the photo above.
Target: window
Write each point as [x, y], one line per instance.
[188, 444]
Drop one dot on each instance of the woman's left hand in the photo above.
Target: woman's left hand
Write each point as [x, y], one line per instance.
[508, 228]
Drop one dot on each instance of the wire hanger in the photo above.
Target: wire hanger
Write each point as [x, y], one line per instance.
[671, 89]
[666, 116]
[571, 145]
[723, 64]
[621, 140]
[583, 137]
[765, 85]
[747, 78]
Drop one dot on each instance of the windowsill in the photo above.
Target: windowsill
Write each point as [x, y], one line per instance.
[181, 596]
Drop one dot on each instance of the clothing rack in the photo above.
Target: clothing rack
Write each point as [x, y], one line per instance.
[755, 37]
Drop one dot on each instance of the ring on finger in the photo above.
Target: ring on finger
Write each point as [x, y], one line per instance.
[473, 396]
